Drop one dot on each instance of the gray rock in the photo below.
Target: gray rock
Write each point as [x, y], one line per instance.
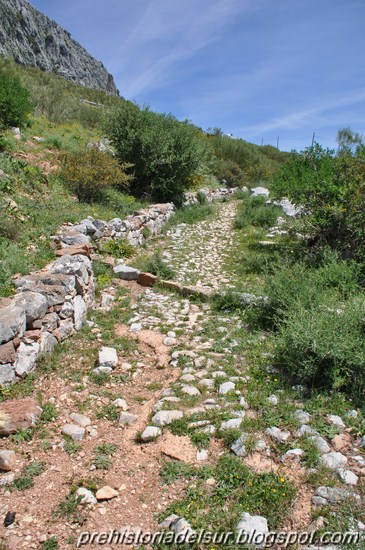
[238, 447]
[255, 527]
[74, 431]
[65, 329]
[67, 310]
[135, 327]
[102, 370]
[163, 418]
[226, 387]
[190, 390]
[244, 403]
[7, 375]
[279, 435]
[232, 424]
[302, 416]
[90, 227]
[202, 455]
[319, 501]
[273, 400]
[126, 272]
[34, 304]
[26, 359]
[12, 323]
[108, 357]
[74, 239]
[305, 430]
[335, 494]
[321, 444]
[334, 460]
[80, 420]
[80, 312]
[116, 224]
[121, 404]
[348, 477]
[150, 434]
[7, 479]
[7, 460]
[37, 41]
[336, 420]
[47, 343]
[125, 418]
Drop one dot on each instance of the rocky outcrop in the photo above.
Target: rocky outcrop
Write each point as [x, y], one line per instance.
[32, 39]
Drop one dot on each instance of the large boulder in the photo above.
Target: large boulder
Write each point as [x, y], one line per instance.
[34, 304]
[7, 375]
[18, 414]
[12, 323]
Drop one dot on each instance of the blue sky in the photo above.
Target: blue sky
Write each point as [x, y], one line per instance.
[258, 69]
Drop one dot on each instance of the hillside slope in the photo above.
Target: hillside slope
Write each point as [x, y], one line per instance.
[32, 39]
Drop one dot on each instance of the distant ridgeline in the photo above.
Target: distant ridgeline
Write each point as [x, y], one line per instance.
[32, 39]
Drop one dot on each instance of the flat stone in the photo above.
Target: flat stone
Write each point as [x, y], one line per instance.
[135, 327]
[7, 353]
[7, 479]
[125, 418]
[334, 460]
[202, 455]
[12, 323]
[150, 434]
[86, 496]
[26, 359]
[18, 414]
[163, 418]
[126, 272]
[146, 279]
[279, 435]
[74, 431]
[80, 420]
[7, 460]
[232, 424]
[255, 526]
[348, 477]
[226, 387]
[190, 390]
[108, 357]
[319, 501]
[106, 493]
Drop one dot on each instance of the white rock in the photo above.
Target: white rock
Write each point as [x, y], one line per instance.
[163, 418]
[121, 404]
[226, 387]
[86, 496]
[190, 390]
[336, 420]
[276, 433]
[150, 434]
[75, 432]
[273, 400]
[292, 454]
[334, 460]
[256, 526]
[202, 455]
[125, 418]
[348, 477]
[135, 327]
[108, 357]
[231, 424]
[302, 416]
[81, 420]
[321, 444]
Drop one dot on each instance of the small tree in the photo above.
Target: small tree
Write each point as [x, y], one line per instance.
[14, 103]
[92, 172]
[164, 152]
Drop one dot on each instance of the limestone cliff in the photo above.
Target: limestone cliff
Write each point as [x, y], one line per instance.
[32, 39]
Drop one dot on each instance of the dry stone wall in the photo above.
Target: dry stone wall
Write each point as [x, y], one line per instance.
[51, 304]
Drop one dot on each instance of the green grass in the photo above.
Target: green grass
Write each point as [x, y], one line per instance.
[26, 479]
[154, 264]
[103, 456]
[237, 489]
[192, 214]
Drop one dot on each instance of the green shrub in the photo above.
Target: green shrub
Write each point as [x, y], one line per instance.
[164, 152]
[192, 214]
[155, 264]
[120, 248]
[89, 173]
[14, 103]
[229, 173]
[254, 211]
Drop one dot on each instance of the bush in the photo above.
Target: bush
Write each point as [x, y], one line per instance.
[230, 173]
[164, 152]
[192, 214]
[120, 248]
[254, 211]
[14, 103]
[156, 265]
[91, 172]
